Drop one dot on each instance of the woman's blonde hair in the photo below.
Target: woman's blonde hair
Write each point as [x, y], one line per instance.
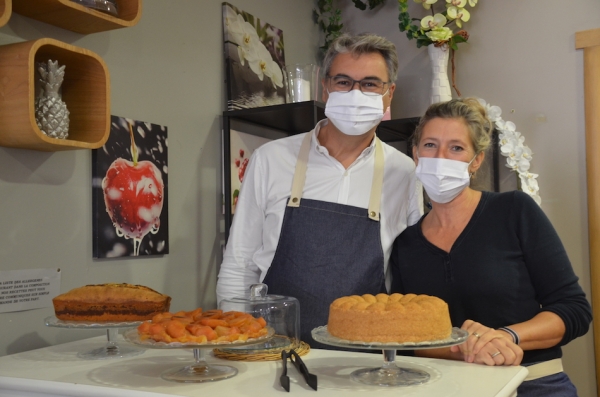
[467, 109]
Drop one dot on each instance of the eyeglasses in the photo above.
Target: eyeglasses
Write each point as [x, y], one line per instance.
[368, 86]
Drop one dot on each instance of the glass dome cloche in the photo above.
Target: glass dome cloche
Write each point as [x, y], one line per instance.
[282, 313]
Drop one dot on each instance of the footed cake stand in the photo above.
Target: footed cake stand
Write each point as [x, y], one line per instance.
[111, 349]
[389, 374]
[200, 371]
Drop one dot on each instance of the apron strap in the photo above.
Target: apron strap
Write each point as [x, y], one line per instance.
[300, 173]
[377, 185]
[300, 177]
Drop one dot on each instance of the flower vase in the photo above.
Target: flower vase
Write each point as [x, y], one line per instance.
[440, 85]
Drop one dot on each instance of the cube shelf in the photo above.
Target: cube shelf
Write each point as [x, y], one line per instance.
[85, 90]
[5, 11]
[78, 18]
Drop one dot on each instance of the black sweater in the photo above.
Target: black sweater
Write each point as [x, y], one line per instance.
[506, 266]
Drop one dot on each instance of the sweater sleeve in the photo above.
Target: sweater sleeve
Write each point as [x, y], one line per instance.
[556, 285]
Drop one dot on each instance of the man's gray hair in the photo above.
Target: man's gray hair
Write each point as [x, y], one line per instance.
[364, 43]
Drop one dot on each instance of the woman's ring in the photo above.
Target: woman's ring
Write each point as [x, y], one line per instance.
[495, 354]
[475, 334]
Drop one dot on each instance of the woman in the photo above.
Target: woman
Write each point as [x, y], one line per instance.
[493, 257]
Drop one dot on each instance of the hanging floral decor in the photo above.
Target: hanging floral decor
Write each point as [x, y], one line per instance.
[512, 146]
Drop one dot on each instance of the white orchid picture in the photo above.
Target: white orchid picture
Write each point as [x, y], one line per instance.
[254, 59]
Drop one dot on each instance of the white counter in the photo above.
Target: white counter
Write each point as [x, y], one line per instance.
[57, 371]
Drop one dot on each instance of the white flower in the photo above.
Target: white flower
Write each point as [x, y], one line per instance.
[275, 74]
[507, 127]
[248, 43]
[508, 145]
[493, 112]
[512, 146]
[433, 21]
[439, 34]
[526, 153]
[426, 3]
[251, 49]
[262, 64]
[235, 26]
[230, 15]
[530, 186]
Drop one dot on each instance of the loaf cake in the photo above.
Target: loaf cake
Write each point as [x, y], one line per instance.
[110, 302]
[392, 318]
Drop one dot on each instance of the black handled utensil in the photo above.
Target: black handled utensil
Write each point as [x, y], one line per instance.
[284, 380]
[294, 357]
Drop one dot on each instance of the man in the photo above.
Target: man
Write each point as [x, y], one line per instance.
[318, 212]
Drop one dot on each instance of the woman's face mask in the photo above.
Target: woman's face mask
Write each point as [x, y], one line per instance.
[443, 179]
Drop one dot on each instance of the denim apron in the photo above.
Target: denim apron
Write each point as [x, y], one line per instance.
[327, 250]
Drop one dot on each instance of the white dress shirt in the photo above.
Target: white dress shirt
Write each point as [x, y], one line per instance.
[266, 188]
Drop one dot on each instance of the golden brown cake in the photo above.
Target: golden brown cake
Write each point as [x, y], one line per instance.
[389, 318]
[110, 302]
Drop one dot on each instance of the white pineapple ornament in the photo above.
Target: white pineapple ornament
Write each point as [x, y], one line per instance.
[51, 113]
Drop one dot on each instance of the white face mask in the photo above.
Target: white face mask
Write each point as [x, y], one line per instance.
[354, 113]
[443, 179]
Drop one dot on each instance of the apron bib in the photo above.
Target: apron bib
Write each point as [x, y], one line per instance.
[327, 250]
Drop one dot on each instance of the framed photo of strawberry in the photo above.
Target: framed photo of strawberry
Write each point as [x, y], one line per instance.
[130, 191]
[242, 147]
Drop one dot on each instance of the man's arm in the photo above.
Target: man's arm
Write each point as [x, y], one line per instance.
[235, 281]
[238, 271]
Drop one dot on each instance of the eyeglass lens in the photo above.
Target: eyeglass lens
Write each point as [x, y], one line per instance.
[346, 84]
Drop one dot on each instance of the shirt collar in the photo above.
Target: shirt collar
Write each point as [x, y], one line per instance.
[315, 145]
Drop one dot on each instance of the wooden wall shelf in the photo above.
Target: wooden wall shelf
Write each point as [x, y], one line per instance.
[78, 18]
[5, 11]
[85, 90]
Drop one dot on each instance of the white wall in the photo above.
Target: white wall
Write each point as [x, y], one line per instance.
[521, 56]
[168, 70]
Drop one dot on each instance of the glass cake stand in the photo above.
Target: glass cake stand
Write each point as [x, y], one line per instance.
[200, 371]
[389, 374]
[112, 349]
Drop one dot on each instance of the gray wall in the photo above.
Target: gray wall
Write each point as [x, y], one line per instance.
[521, 56]
[168, 70]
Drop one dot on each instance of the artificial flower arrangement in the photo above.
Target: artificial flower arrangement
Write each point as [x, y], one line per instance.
[435, 28]
[250, 47]
[512, 146]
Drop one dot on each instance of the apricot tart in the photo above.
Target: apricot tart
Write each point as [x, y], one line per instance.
[202, 327]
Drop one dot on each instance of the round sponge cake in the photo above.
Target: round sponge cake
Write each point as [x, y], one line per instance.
[392, 318]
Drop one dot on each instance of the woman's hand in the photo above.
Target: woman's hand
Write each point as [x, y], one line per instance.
[487, 346]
